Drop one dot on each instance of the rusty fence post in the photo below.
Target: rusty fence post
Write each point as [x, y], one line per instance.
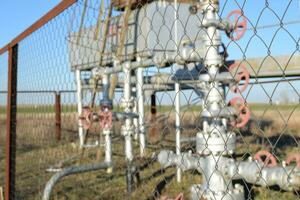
[58, 116]
[11, 123]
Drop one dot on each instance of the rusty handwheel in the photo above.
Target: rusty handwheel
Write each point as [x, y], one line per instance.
[265, 157]
[240, 72]
[239, 22]
[293, 158]
[105, 118]
[243, 112]
[86, 118]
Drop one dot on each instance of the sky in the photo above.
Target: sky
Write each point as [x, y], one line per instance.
[50, 60]
[17, 15]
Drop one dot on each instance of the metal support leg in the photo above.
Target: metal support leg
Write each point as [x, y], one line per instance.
[140, 100]
[79, 107]
[127, 129]
[108, 149]
[136, 120]
[177, 124]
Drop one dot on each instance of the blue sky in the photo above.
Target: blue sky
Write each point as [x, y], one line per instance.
[17, 15]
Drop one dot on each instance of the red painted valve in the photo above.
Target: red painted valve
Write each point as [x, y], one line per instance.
[105, 118]
[240, 72]
[265, 157]
[239, 22]
[293, 158]
[86, 118]
[243, 112]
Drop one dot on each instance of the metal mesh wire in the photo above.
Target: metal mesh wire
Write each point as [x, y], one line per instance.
[161, 38]
[3, 99]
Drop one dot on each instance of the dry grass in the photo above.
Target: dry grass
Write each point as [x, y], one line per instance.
[37, 150]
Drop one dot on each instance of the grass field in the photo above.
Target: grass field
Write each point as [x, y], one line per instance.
[271, 127]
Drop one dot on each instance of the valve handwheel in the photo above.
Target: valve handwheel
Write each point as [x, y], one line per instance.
[105, 118]
[86, 118]
[293, 158]
[265, 157]
[239, 23]
[240, 72]
[243, 112]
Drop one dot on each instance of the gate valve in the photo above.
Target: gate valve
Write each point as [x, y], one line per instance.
[265, 157]
[293, 158]
[243, 112]
[240, 73]
[86, 118]
[105, 118]
[239, 24]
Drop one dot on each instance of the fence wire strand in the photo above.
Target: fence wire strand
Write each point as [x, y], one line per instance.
[180, 99]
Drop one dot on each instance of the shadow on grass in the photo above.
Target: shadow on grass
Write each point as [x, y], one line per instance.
[160, 186]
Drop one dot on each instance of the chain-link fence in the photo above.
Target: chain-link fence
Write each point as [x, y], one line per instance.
[157, 99]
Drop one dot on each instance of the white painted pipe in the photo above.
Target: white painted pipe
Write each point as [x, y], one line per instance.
[177, 124]
[177, 93]
[79, 107]
[140, 96]
[128, 121]
[135, 120]
[108, 149]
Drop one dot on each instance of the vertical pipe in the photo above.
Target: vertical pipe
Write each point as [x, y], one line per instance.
[177, 92]
[57, 116]
[107, 131]
[128, 109]
[135, 120]
[178, 126]
[11, 120]
[140, 95]
[108, 149]
[108, 152]
[127, 128]
[79, 106]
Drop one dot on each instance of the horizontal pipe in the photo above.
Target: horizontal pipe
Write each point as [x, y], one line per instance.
[184, 161]
[287, 178]
[69, 171]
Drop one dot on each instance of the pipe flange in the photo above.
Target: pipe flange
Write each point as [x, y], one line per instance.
[215, 144]
[226, 112]
[127, 104]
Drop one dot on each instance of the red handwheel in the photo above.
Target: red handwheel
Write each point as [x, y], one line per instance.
[265, 157]
[243, 112]
[86, 118]
[105, 119]
[293, 158]
[239, 23]
[239, 72]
